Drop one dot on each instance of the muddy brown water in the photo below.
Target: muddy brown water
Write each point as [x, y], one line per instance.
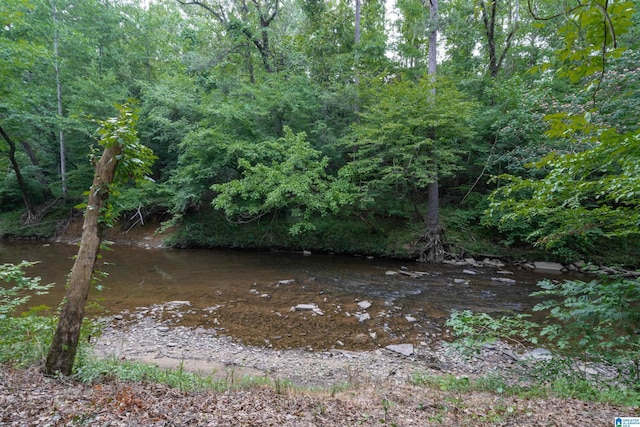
[242, 294]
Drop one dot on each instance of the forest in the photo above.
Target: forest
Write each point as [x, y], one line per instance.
[410, 129]
[413, 129]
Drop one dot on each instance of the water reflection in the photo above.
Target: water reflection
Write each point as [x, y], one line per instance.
[151, 275]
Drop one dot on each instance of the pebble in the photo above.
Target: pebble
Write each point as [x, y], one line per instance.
[364, 305]
[503, 280]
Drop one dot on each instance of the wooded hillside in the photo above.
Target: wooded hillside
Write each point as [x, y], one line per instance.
[321, 124]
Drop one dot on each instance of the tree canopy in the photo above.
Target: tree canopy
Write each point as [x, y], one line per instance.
[314, 113]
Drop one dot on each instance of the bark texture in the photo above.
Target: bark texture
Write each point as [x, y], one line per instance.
[65, 341]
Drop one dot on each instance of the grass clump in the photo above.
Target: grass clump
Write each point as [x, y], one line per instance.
[528, 388]
[93, 370]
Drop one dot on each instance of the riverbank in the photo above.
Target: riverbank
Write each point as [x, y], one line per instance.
[383, 238]
[297, 388]
[413, 382]
[147, 338]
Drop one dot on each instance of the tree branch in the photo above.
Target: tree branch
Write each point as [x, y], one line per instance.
[549, 18]
[218, 15]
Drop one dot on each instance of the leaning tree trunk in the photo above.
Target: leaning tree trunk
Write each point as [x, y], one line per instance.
[65, 341]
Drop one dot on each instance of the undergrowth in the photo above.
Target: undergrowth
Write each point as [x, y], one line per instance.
[507, 385]
[590, 332]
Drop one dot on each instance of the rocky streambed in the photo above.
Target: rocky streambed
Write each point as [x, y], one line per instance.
[153, 335]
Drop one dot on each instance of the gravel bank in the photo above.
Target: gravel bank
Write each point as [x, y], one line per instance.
[145, 337]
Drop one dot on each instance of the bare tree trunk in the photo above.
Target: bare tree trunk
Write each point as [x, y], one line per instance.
[358, 19]
[63, 161]
[65, 341]
[433, 39]
[31, 214]
[432, 250]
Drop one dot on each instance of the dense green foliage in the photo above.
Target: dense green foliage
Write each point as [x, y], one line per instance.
[279, 117]
[23, 339]
[295, 178]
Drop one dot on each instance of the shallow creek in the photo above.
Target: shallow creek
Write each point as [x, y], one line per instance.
[250, 295]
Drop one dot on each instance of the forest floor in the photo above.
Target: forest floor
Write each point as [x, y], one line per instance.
[27, 398]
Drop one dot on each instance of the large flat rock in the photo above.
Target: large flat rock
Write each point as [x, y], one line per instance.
[544, 265]
[403, 349]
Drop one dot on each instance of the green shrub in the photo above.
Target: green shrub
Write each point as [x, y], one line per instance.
[24, 341]
[18, 287]
[586, 323]
[598, 321]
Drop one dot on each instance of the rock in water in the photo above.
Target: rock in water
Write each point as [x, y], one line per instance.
[172, 304]
[363, 317]
[503, 280]
[543, 265]
[304, 307]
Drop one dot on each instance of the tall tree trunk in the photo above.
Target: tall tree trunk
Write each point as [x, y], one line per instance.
[63, 161]
[31, 214]
[65, 341]
[358, 19]
[432, 250]
[356, 79]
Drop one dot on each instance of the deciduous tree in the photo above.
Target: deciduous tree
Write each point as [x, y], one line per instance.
[592, 191]
[123, 158]
[407, 138]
